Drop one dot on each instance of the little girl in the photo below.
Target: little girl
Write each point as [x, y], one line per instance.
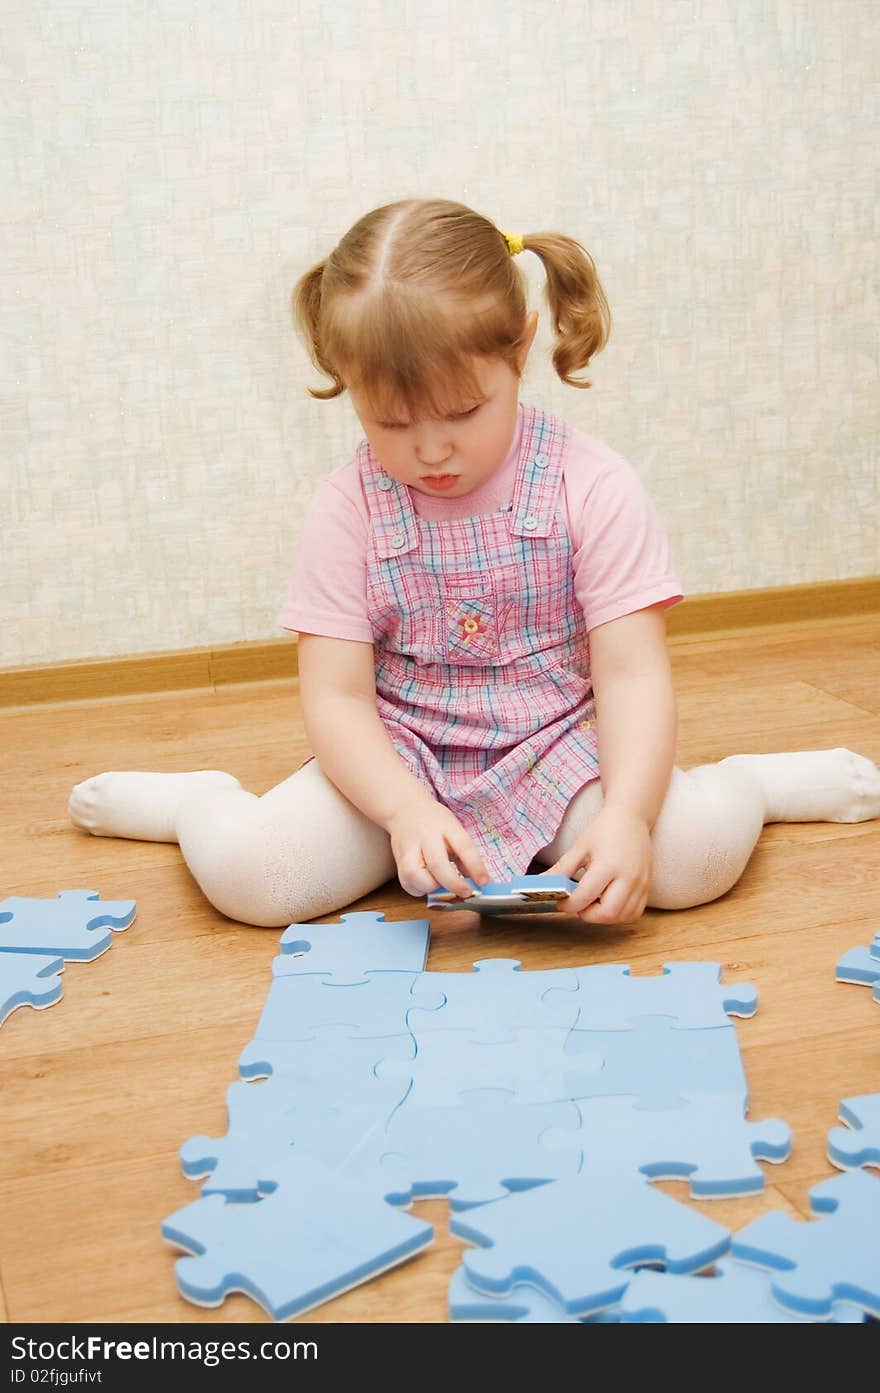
[479, 596]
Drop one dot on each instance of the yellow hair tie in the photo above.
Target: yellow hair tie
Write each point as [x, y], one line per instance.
[514, 242]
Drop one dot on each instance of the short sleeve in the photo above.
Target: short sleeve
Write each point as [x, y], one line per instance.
[327, 590]
[621, 553]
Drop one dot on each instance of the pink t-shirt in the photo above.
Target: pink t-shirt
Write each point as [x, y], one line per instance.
[620, 552]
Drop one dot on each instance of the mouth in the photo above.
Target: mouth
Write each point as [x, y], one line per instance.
[440, 482]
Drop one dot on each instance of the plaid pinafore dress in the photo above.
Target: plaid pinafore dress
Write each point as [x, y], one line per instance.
[482, 655]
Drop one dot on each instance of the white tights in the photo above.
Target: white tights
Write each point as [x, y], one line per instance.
[302, 850]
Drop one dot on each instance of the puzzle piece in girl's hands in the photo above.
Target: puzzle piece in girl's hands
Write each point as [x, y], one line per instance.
[526, 1305]
[571, 1238]
[356, 944]
[28, 980]
[497, 999]
[68, 925]
[735, 1295]
[266, 1125]
[311, 1238]
[658, 1062]
[691, 993]
[331, 1065]
[298, 1004]
[524, 894]
[862, 965]
[818, 1263]
[487, 1145]
[861, 1145]
[706, 1140]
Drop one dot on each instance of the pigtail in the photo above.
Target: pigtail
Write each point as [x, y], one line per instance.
[307, 313]
[579, 311]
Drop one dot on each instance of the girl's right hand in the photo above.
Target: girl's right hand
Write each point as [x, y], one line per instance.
[424, 838]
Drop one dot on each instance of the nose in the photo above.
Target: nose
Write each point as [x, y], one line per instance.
[433, 447]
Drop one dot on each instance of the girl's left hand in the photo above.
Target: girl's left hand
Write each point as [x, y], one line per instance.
[616, 850]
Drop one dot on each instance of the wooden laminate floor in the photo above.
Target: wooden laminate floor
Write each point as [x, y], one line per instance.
[98, 1092]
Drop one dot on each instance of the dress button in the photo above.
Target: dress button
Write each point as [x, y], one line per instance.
[398, 539]
[385, 482]
[530, 523]
[541, 461]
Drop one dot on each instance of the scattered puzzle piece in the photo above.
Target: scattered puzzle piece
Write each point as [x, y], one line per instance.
[478, 1151]
[862, 965]
[706, 1140]
[357, 943]
[28, 980]
[861, 1145]
[525, 1305]
[572, 1239]
[313, 1237]
[69, 925]
[524, 894]
[735, 1295]
[831, 1259]
[691, 993]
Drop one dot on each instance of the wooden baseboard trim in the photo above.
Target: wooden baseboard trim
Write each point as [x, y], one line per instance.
[267, 660]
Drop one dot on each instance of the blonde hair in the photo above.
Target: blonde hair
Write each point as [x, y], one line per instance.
[416, 290]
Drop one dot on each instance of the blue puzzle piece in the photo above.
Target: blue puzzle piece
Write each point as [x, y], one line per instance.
[690, 993]
[706, 1140]
[735, 1295]
[831, 1259]
[498, 998]
[530, 1064]
[310, 1239]
[656, 1061]
[524, 894]
[861, 1145]
[479, 1150]
[69, 925]
[573, 1238]
[28, 980]
[298, 1004]
[358, 943]
[330, 1067]
[525, 1305]
[862, 965]
[265, 1126]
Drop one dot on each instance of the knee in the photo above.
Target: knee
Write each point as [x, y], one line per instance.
[702, 841]
[248, 878]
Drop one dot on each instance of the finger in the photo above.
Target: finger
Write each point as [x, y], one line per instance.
[466, 851]
[413, 873]
[591, 885]
[608, 908]
[445, 870]
[570, 863]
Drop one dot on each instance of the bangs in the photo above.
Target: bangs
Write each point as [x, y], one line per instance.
[408, 356]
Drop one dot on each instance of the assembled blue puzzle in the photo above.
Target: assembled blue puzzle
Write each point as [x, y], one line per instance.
[540, 1102]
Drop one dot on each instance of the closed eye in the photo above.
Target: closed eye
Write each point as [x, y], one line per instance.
[459, 416]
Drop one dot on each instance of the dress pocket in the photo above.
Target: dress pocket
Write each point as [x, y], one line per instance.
[473, 619]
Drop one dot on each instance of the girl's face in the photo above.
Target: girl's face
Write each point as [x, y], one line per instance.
[451, 456]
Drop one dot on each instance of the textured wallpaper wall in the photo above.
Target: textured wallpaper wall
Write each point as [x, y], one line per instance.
[170, 168]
